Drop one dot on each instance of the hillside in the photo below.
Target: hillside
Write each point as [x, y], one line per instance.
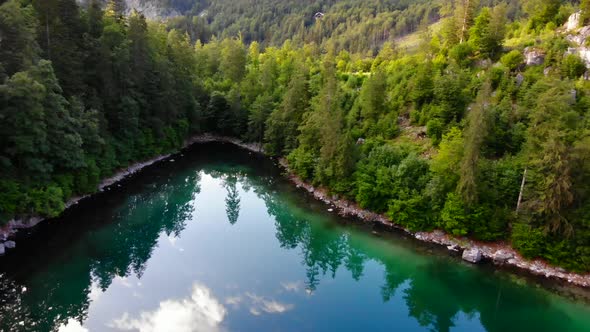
[481, 131]
[355, 25]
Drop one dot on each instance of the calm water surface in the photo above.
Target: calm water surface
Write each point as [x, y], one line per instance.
[218, 241]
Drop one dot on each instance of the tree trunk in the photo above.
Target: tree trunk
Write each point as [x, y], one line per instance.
[521, 191]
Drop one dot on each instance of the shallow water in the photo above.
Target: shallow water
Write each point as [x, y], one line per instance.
[217, 240]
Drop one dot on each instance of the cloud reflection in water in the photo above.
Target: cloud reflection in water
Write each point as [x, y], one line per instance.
[200, 312]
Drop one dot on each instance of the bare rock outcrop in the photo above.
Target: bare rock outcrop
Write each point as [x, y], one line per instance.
[579, 36]
[534, 56]
[573, 22]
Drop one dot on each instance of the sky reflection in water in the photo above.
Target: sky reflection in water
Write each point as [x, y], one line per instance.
[218, 243]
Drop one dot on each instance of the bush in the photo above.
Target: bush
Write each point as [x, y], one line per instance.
[572, 66]
[528, 240]
[454, 218]
[11, 200]
[512, 60]
[434, 130]
[48, 202]
[302, 163]
[461, 53]
[411, 213]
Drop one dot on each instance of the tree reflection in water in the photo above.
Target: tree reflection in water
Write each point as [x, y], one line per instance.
[64, 294]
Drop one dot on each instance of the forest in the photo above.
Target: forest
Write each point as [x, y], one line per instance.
[461, 132]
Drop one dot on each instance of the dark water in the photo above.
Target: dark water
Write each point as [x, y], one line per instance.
[218, 241]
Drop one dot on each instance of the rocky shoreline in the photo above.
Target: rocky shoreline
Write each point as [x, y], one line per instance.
[499, 253]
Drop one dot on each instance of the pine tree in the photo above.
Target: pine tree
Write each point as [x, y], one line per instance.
[62, 41]
[464, 14]
[18, 45]
[115, 10]
[550, 156]
[541, 12]
[478, 120]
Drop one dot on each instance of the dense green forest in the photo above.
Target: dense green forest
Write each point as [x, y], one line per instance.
[443, 135]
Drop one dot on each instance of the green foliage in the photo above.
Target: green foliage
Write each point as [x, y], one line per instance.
[512, 60]
[541, 12]
[47, 201]
[487, 33]
[585, 11]
[454, 217]
[85, 92]
[572, 66]
[528, 240]
[302, 163]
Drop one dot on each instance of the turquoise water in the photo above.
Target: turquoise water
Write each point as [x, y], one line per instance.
[218, 241]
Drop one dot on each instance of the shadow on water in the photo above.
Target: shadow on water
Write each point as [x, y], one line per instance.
[48, 280]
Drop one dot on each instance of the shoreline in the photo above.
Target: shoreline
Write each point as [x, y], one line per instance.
[499, 253]
[10, 229]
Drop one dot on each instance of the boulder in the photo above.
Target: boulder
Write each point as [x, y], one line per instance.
[472, 255]
[10, 244]
[502, 256]
[519, 79]
[533, 56]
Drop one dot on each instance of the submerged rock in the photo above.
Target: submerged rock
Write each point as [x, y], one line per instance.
[10, 244]
[472, 255]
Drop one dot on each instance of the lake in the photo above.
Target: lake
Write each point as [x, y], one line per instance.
[218, 240]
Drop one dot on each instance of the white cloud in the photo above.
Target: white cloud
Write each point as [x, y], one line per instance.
[123, 281]
[72, 326]
[270, 306]
[292, 286]
[200, 312]
[234, 300]
[95, 291]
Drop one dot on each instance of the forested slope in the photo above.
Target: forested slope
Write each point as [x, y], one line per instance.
[441, 138]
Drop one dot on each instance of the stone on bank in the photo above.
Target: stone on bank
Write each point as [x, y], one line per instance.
[472, 255]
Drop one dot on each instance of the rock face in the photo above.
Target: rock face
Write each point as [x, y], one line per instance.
[533, 56]
[573, 22]
[9, 244]
[472, 255]
[579, 37]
